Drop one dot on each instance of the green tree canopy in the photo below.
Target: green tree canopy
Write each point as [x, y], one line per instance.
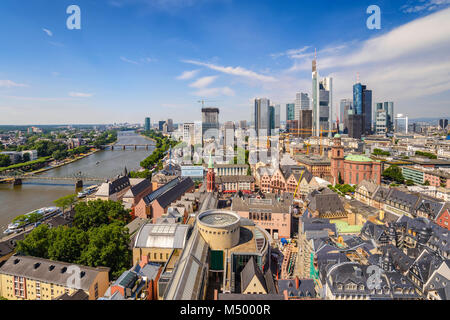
[36, 243]
[93, 214]
[394, 173]
[5, 160]
[66, 201]
[108, 246]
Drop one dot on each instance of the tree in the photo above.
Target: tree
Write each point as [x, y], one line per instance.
[58, 155]
[379, 152]
[26, 157]
[67, 244]
[66, 201]
[409, 182]
[36, 243]
[427, 183]
[340, 180]
[5, 160]
[394, 173]
[108, 246]
[96, 213]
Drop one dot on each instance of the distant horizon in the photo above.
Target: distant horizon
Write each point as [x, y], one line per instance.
[419, 119]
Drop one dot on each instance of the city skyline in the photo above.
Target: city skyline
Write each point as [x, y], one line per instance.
[124, 72]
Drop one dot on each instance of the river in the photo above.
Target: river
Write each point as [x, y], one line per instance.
[35, 194]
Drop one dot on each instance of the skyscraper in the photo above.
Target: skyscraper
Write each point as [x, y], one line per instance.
[305, 123]
[345, 105]
[381, 124]
[210, 122]
[169, 125]
[443, 123]
[362, 105]
[315, 98]
[147, 124]
[160, 125]
[389, 108]
[277, 117]
[261, 116]
[272, 118]
[322, 98]
[290, 111]
[355, 123]
[302, 102]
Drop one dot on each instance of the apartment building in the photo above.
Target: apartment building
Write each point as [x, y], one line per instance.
[32, 278]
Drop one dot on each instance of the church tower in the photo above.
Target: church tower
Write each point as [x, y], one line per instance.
[210, 176]
[337, 160]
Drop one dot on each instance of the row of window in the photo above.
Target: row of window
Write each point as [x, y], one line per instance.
[218, 232]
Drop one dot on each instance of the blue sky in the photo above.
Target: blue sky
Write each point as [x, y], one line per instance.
[158, 58]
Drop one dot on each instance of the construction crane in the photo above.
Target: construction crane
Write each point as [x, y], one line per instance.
[203, 102]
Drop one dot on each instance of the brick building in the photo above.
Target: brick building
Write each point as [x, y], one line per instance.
[352, 169]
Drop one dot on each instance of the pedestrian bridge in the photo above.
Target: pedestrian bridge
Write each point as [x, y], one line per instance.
[128, 147]
[78, 180]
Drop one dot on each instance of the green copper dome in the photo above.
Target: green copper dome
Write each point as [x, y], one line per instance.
[358, 158]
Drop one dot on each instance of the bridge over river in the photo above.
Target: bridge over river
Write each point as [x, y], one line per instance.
[78, 180]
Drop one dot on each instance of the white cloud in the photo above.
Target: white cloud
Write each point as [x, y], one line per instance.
[203, 82]
[425, 5]
[186, 75]
[290, 53]
[48, 32]
[142, 60]
[128, 60]
[80, 94]
[11, 84]
[148, 60]
[214, 92]
[409, 65]
[166, 5]
[235, 71]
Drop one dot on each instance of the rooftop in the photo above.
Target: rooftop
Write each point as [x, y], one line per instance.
[358, 158]
[49, 271]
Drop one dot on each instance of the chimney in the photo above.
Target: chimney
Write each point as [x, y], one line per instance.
[285, 293]
[297, 283]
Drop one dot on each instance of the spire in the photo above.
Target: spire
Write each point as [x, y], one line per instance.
[210, 164]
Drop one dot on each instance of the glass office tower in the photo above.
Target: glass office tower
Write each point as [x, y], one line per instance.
[290, 111]
[261, 116]
[147, 124]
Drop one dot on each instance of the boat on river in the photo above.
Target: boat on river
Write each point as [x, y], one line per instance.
[87, 191]
[41, 214]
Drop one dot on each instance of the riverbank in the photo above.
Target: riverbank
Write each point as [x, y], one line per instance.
[33, 194]
[148, 138]
[63, 163]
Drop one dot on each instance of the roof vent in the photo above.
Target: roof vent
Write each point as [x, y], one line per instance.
[16, 261]
[51, 268]
[36, 265]
[63, 269]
